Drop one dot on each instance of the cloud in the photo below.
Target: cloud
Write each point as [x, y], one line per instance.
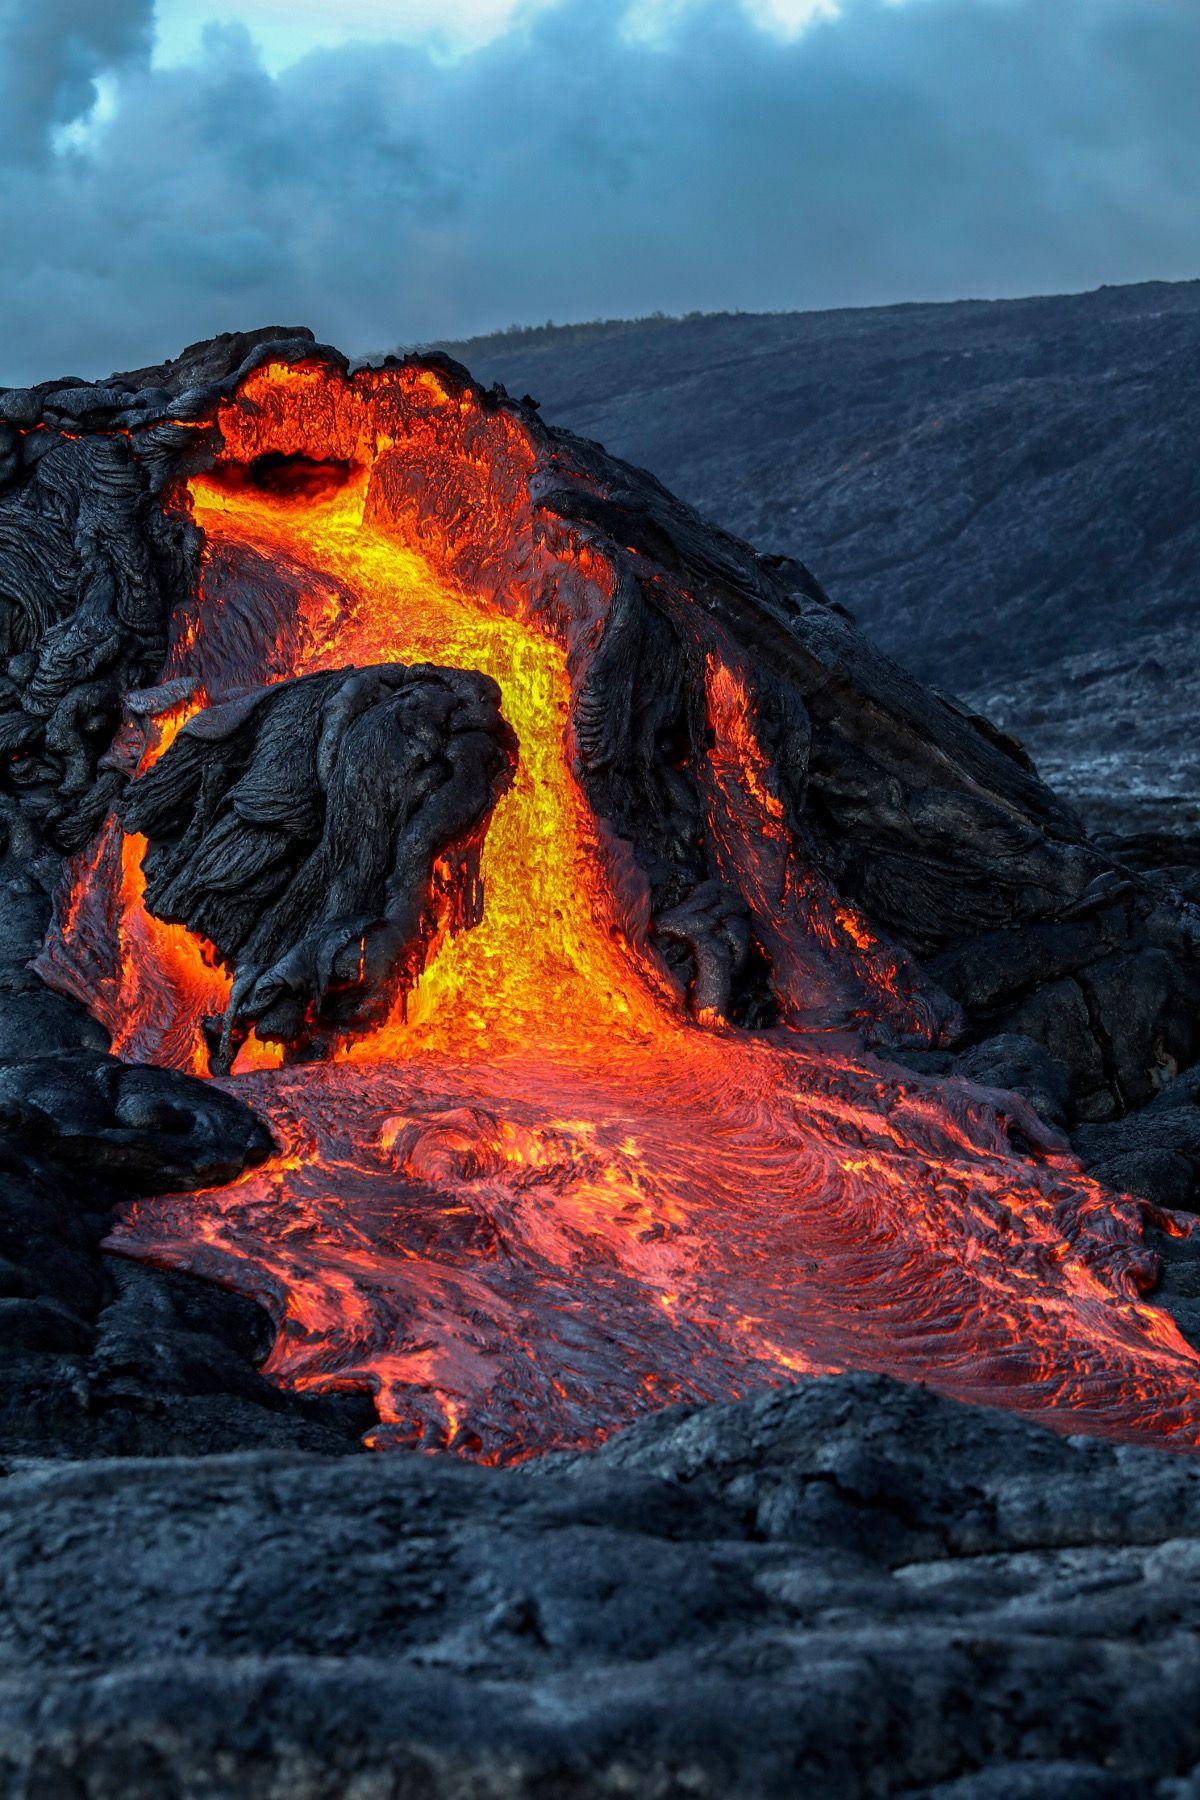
[53, 55]
[573, 168]
[285, 30]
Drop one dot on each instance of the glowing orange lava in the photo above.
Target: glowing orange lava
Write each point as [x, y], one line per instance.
[547, 960]
[543, 1199]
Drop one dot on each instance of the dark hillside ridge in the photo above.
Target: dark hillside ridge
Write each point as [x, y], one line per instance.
[1005, 493]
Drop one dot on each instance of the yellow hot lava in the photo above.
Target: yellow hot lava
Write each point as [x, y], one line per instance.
[547, 962]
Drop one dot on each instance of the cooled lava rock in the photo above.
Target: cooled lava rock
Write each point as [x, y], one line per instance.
[148, 1128]
[298, 829]
[846, 1589]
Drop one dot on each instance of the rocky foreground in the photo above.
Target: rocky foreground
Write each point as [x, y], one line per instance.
[846, 1588]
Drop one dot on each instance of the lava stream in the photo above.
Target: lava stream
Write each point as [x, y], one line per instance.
[542, 1200]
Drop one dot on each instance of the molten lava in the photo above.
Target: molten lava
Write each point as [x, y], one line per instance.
[543, 1199]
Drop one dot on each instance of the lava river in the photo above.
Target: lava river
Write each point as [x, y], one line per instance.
[542, 1199]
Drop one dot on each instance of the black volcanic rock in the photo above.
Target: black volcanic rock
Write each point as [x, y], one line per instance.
[296, 828]
[850, 1588]
[150, 1129]
[1113, 727]
[99, 1357]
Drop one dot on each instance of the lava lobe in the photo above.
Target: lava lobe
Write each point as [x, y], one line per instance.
[322, 835]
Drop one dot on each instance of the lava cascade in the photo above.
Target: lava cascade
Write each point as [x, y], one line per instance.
[541, 1198]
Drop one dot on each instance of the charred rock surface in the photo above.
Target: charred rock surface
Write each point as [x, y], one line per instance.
[298, 829]
[848, 1588]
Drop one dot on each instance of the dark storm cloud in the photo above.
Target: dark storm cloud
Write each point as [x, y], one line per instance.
[939, 148]
[51, 54]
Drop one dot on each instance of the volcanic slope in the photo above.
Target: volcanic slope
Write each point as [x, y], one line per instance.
[1005, 494]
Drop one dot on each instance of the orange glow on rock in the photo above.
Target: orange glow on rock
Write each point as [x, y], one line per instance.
[541, 1199]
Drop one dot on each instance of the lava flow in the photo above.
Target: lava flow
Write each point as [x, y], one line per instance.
[542, 1199]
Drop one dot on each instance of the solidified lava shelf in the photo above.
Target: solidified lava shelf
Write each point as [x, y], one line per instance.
[542, 1197]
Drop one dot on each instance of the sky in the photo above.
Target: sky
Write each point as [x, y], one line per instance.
[393, 172]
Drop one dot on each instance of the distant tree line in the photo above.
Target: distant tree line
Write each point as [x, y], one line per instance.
[530, 337]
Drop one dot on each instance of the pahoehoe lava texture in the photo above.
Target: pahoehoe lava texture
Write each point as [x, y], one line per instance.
[809, 1579]
[297, 829]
